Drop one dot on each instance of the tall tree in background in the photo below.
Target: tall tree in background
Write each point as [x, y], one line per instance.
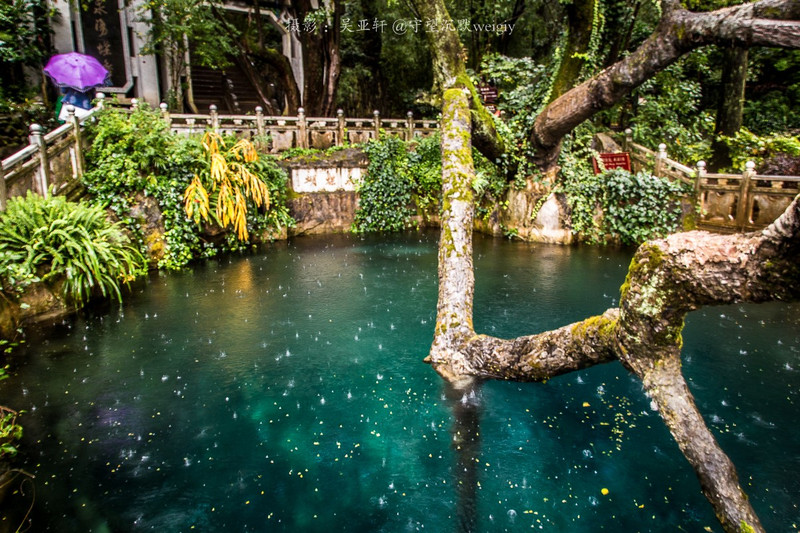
[581, 26]
[174, 28]
[261, 58]
[24, 42]
[730, 107]
[322, 60]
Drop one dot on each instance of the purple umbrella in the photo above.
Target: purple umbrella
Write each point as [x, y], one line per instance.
[78, 71]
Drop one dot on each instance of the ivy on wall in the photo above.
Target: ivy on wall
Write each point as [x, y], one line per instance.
[620, 205]
[403, 179]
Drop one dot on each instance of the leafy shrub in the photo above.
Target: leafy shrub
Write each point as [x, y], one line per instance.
[385, 193]
[634, 207]
[134, 153]
[231, 182]
[668, 111]
[399, 177]
[775, 111]
[10, 431]
[747, 146]
[52, 239]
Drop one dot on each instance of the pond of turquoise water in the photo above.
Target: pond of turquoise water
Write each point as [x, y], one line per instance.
[284, 390]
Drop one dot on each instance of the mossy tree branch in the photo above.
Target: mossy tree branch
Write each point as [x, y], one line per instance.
[766, 23]
[667, 279]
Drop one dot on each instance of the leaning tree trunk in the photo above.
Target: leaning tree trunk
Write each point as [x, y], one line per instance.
[764, 23]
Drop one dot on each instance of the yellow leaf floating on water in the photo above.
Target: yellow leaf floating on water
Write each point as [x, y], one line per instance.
[604, 491]
[586, 404]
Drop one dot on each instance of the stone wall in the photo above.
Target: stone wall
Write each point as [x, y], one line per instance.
[323, 196]
[537, 215]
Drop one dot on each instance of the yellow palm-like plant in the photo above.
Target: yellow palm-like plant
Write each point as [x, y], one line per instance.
[231, 183]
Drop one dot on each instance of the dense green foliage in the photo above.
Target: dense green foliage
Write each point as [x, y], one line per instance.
[10, 431]
[668, 109]
[619, 205]
[395, 178]
[746, 146]
[133, 155]
[773, 91]
[57, 241]
[524, 89]
[404, 179]
[24, 42]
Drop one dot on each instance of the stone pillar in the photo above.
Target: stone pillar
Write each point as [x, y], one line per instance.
[260, 121]
[627, 142]
[302, 128]
[410, 126]
[76, 132]
[660, 157]
[742, 215]
[376, 122]
[701, 173]
[165, 114]
[340, 140]
[212, 109]
[42, 177]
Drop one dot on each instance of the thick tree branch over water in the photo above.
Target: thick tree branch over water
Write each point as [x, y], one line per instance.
[667, 279]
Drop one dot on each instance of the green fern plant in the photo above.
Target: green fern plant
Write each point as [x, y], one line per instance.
[52, 239]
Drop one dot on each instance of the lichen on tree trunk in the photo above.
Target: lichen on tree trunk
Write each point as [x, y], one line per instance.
[456, 277]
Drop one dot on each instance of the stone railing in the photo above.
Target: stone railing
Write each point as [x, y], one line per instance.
[284, 133]
[51, 163]
[727, 202]
[54, 162]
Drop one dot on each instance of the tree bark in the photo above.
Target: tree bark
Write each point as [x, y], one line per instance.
[731, 105]
[667, 278]
[449, 71]
[580, 18]
[322, 61]
[280, 63]
[765, 23]
[456, 277]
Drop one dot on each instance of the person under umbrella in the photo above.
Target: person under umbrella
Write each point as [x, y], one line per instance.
[77, 75]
